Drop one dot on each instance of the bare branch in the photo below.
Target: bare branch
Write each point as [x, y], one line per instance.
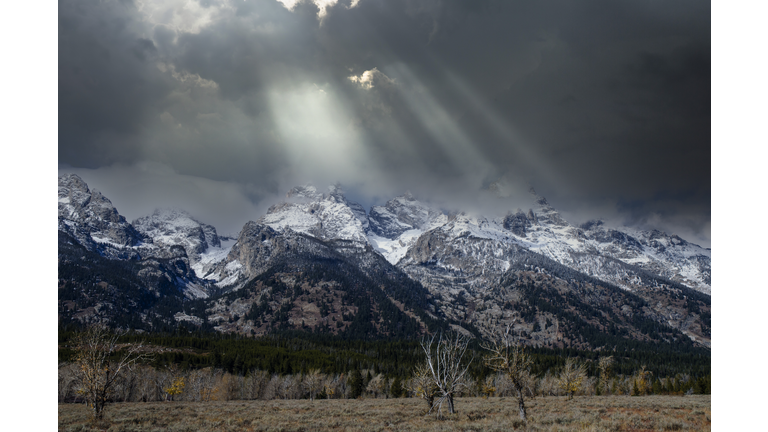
[444, 362]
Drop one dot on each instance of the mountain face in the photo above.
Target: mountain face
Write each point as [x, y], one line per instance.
[325, 216]
[174, 227]
[319, 262]
[91, 218]
[591, 247]
[154, 248]
[394, 227]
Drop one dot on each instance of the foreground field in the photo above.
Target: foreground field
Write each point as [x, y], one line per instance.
[588, 413]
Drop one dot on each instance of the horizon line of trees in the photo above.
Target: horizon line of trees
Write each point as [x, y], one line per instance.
[103, 368]
[145, 383]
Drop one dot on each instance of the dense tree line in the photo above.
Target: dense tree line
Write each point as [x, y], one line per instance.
[294, 352]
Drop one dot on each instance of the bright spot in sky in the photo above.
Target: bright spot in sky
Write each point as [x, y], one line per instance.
[314, 127]
[321, 4]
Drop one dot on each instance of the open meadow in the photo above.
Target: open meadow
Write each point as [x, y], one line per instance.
[583, 413]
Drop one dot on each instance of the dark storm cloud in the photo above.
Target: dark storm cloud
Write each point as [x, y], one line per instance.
[106, 83]
[603, 106]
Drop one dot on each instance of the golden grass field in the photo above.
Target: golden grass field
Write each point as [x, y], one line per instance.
[585, 413]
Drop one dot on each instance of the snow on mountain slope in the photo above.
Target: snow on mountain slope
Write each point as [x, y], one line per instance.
[211, 257]
[395, 226]
[90, 217]
[582, 248]
[175, 227]
[260, 246]
[591, 248]
[325, 216]
[161, 248]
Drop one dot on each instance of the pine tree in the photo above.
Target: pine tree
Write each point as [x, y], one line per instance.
[657, 386]
[355, 384]
[396, 389]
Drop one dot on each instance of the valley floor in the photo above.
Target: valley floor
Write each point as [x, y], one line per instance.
[585, 413]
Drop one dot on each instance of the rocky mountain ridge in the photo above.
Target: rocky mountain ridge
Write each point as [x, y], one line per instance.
[460, 265]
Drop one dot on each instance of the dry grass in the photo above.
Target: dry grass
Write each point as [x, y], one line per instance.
[586, 413]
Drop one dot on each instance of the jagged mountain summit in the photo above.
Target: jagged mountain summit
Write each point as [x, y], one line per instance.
[158, 248]
[326, 216]
[91, 218]
[592, 247]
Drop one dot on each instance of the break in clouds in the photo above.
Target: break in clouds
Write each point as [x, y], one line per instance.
[219, 107]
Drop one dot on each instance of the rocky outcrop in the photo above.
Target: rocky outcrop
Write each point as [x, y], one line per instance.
[174, 227]
[399, 215]
[519, 222]
[90, 217]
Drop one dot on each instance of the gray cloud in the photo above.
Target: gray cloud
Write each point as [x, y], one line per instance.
[603, 106]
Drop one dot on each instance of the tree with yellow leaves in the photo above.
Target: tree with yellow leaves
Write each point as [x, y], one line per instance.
[642, 382]
[96, 373]
[487, 387]
[572, 376]
[422, 385]
[176, 388]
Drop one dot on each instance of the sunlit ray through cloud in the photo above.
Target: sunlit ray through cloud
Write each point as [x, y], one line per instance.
[442, 128]
[316, 131]
[522, 148]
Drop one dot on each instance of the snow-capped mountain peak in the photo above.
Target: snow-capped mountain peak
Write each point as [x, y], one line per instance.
[325, 216]
[307, 191]
[91, 218]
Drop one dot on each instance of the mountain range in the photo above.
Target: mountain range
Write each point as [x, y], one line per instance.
[319, 262]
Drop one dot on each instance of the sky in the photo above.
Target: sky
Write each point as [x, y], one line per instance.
[220, 107]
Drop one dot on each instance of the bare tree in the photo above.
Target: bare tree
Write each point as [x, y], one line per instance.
[605, 366]
[333, 385]
[572, 376]
[376, 385]
[96, 374]
[67, 380]
[204, 385]
[313, 382]
[508, 356]
[444, 361]
[147, 390]
[548, 385]
[255, 384]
